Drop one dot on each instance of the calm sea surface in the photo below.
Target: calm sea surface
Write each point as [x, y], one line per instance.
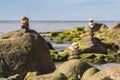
[47, 26]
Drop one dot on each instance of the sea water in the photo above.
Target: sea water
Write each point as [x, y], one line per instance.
[47, 26]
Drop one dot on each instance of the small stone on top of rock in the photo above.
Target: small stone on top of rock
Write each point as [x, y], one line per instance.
[25, 23]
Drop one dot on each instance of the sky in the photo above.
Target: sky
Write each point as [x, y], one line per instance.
[73, 10]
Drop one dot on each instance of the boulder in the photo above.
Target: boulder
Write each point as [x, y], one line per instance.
[116, 26]
[110, 73]
[96, 27]
[73, 69]
[51, 76]
[21, 52]
[88, 73]
[92, 45]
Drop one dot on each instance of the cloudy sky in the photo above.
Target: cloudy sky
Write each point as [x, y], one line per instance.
[60, 9]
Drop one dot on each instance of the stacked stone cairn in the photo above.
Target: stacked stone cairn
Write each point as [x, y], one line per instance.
[75, 51]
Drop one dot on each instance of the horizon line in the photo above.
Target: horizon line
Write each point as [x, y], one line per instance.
[66, 20]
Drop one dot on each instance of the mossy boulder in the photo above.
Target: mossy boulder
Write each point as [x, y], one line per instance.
[73, 69]
[58, 39]
[21, 52]
[103, 28]
[92, 45]
[58, 56]
[88, 73]
[66, 35]
[51, 76]
[65, 54]
[110, 38]
[96, 58]
[115, 26]
[55, 56]
[75, 39]
[97, 27]
[52, 34]
[110, 73]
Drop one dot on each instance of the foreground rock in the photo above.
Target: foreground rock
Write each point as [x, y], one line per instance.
[21, 52]
[88, 73]
[51, 76]
[110, 73]
[69, 70]
[73, 69]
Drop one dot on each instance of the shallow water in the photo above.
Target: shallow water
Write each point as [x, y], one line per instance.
[103, 66]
